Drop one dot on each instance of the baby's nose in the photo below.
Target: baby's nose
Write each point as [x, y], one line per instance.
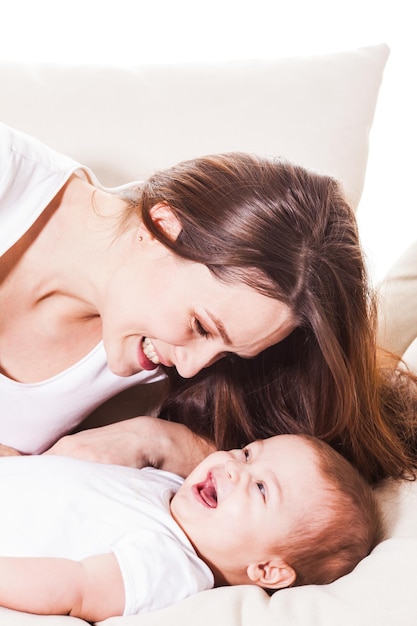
[234, 470]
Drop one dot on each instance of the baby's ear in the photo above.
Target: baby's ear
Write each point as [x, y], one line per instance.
[272, 574]
[163, 216]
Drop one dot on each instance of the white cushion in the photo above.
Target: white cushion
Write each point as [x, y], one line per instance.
[398, 307]
[125, 123]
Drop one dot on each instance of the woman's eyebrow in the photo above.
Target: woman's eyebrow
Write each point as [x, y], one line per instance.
[220, 327]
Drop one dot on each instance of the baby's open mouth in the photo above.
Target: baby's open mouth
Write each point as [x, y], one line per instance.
[208, 492]
[149, 350]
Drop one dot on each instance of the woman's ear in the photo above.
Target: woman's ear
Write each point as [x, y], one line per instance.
[272, 574]
[164, 218]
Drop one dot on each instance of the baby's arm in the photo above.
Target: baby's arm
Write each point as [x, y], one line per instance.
[91, 589]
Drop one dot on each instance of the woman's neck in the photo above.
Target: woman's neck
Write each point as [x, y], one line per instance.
[53, 282]
[82, 246]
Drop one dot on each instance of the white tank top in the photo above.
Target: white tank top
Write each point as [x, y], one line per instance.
[33, 416]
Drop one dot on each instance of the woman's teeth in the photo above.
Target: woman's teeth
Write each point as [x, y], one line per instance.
[149, 351]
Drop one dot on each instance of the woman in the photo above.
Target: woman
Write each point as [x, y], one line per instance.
[241, 277]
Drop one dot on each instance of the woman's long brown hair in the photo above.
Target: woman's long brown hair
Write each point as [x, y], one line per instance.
[290, 234]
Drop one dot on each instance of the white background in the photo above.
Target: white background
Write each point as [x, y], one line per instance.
[129, 32]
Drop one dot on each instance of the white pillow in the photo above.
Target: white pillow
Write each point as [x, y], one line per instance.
[125, 123]
[398, 307]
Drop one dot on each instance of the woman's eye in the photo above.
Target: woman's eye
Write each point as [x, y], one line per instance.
[245, 454]
[200, 328]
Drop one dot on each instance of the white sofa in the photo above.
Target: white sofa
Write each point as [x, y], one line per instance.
[124, 124]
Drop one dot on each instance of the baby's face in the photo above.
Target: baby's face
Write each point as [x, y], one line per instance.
[236, 505]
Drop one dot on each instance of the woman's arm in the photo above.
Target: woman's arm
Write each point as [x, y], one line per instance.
[8, 451]
[138, 442]
[91, 589]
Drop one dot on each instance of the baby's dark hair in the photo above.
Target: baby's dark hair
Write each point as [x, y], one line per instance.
[328, 543]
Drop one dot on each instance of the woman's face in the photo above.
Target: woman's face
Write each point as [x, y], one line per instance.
[162, 309]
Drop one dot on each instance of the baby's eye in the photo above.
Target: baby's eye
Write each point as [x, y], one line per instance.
[200, 328]
[261, 488]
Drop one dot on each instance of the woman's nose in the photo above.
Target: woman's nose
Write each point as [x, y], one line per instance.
[191, 360]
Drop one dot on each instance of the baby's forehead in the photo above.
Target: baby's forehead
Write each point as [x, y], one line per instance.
[283, 452]
[303, 444]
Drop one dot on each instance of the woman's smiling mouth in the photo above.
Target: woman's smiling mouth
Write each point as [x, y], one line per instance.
[147, 357]
[149, 350]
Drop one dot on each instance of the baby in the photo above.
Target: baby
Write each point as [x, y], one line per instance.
[94, 541]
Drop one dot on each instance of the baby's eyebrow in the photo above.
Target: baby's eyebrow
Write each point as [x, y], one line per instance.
[271, 476]
[253, 448]
[273, 479]
[256, 446]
